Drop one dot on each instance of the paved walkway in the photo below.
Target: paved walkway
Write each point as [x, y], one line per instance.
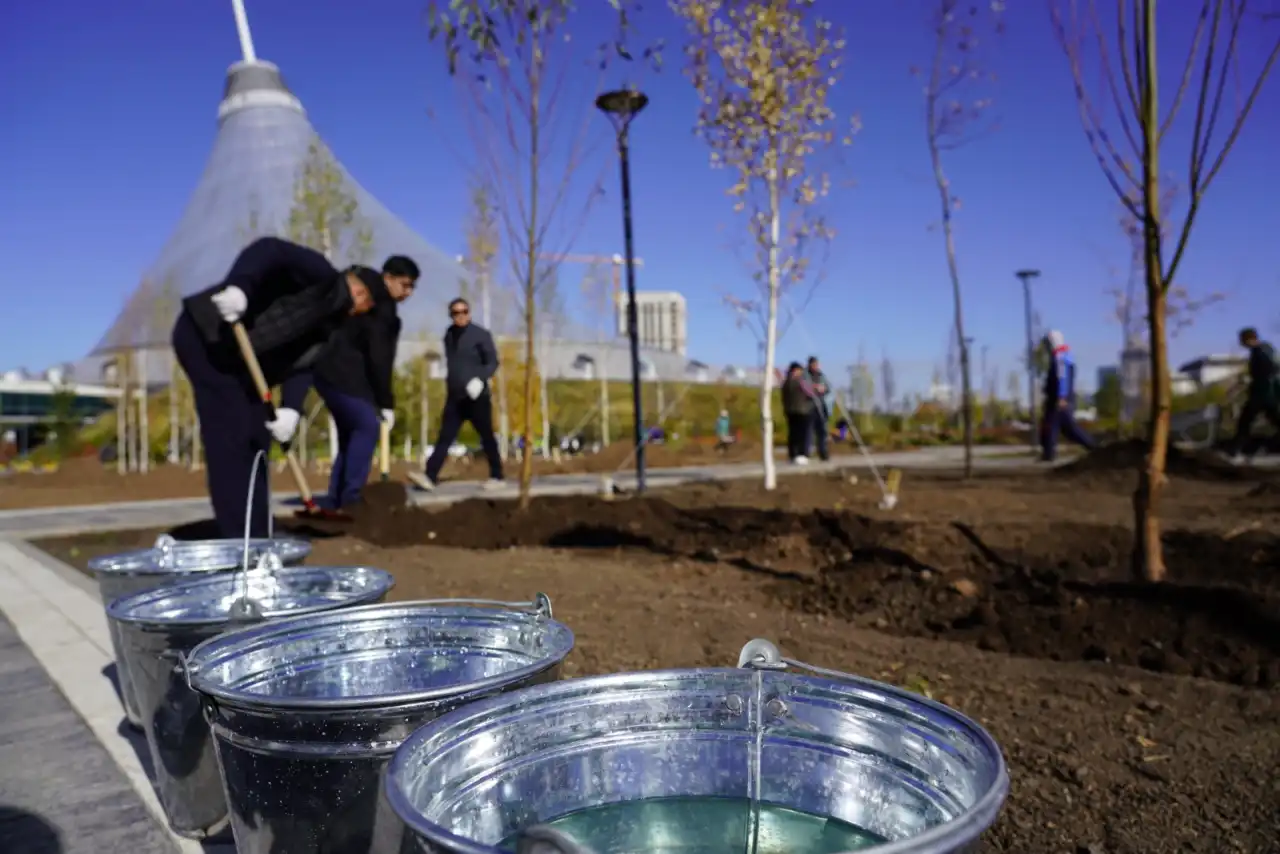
[66, 521]
[61, 792]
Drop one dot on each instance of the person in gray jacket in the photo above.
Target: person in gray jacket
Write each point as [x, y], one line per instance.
[472, 360]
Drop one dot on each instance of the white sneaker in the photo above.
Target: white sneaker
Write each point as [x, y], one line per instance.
[493, 484]
[421, 481]
[1237, 459]
[800, 461]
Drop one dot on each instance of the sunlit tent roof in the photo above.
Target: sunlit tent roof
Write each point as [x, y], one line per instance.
[248, 188]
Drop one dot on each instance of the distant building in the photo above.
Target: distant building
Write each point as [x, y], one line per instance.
[1214, 368]
[1135, 375]
[661, 319]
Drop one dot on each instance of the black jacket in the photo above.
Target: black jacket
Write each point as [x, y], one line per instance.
[796, 398]
[470, 354]
[296, 302]
[360, 359]
[1264, 380]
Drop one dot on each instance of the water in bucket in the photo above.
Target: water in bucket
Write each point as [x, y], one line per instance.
[706, 825]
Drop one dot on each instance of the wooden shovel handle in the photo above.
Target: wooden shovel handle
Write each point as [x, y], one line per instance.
[264, 392]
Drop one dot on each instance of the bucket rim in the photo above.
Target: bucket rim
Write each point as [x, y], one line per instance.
[289, 548]
[264, 632]
[383, 582]
[955, 834]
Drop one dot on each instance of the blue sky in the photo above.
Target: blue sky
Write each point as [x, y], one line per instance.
[109, 114]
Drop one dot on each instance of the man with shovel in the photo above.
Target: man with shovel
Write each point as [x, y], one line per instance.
[289, 300]
[353, 376]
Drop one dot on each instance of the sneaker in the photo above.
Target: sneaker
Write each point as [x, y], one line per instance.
[1237, 459]
[801, 461]
[493, 483]
[421, 481]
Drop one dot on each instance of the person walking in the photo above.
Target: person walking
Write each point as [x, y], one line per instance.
[824, 397]
[354, 377]
[290, 300]
[471, 361]
[1263, 396]
[798, 406]
[1060, 400]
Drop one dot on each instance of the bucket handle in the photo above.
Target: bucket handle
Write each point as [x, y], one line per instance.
[761, 654]
[180, 658]
[540, 606]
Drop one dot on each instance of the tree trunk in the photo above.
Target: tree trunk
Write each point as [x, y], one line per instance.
[603, 367]
[504, 418]
[195, 443]
[1148, 555]
[771, 334]
[175, 418]
[530, 380]
[544, 405]
[953, 270]
[423, 438]
[122, 413]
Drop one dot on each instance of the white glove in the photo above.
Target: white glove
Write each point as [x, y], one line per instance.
[389, 418]
[474, 388]
[284, 425]
[231, 303]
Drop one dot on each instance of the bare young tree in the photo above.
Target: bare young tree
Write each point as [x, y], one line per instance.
[764, 72]
[955, 108]
[1128, 148]
[532, 134]
[325, 215]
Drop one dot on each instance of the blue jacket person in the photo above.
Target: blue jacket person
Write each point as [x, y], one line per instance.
[290, 300]
[354, 377]
[1060, 399]
[472, 360]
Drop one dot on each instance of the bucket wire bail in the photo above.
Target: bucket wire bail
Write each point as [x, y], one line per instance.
[540, 607]
[242, 607]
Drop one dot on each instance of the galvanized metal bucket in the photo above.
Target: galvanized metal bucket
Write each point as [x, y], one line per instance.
[306, 713]
[171, 560]
[159, 627]
[915, 776]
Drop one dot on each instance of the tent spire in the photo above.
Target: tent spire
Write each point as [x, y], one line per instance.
[242, 27]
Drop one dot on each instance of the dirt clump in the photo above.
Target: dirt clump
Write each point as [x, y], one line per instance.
[1123, 458]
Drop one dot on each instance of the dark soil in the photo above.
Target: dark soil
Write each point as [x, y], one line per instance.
[1055, 591]
[1122, 459]
[1006, 597]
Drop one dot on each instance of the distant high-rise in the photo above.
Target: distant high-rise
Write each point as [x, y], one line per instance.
[661, 319]
[248, 189]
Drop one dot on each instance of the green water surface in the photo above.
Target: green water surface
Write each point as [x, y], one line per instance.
[705, 825]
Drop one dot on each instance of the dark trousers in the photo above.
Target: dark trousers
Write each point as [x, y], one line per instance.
[798, 429]
[479, 413]
[1061, 421]
[1254, 407]
[358, 433]
[233, 429]
[820, 433]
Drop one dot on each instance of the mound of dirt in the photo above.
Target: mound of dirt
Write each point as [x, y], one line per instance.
[1053, 591]
[783, 542]
[1125, 457]
[1216, 632]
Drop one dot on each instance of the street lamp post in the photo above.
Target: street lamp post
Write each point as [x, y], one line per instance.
[1025, 276]
[621, 107]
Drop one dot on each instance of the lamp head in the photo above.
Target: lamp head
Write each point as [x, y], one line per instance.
[1027, 274]
[623, 103]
